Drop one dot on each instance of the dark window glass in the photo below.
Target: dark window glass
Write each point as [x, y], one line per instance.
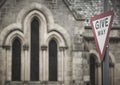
[34, 71]
[52, 61]
[92, 70]
[16, 60]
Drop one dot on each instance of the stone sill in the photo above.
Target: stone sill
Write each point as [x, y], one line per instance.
[34, 82]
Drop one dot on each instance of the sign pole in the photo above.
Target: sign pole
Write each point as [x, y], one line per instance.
[105, 68]
[105, 62]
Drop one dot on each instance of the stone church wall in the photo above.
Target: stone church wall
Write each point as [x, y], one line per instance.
[74, 17]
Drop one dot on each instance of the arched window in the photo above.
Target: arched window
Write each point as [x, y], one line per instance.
[92, 70]
[34, 72]
[52, 60]
[16, 60]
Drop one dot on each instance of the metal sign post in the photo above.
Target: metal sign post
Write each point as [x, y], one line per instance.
[105, 62]
[105, 68]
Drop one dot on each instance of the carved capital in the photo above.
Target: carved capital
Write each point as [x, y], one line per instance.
[44, 47]
[7, 47]
[98, 64]
[25, 47]
[111, 64]
[62, 48]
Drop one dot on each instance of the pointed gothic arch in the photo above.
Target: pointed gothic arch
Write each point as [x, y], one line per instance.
[12, 45]
[16, 60]
[95, 68]
[34, 50]
[97, 63]
[53, 61]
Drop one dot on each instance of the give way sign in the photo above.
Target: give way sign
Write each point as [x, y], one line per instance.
[101, 25]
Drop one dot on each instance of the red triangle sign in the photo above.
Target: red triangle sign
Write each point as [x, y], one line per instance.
[101, 25]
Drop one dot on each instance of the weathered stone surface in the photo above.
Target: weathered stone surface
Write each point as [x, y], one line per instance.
[74, 17]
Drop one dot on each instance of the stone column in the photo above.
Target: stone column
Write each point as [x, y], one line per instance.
[61, 63]
[44, 63]
[64, 66]
[8, 63]
[22, 64]
[3, 64]
[25, 64]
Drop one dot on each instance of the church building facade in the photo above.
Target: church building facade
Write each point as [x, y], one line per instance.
[50, 42]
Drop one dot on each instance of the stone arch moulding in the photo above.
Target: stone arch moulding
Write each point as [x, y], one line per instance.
[58, 38]
[43, 14]
[35, 6]
[46, 21]
[96, 55]
[13, 35]
[8, 30]
[112, 57]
